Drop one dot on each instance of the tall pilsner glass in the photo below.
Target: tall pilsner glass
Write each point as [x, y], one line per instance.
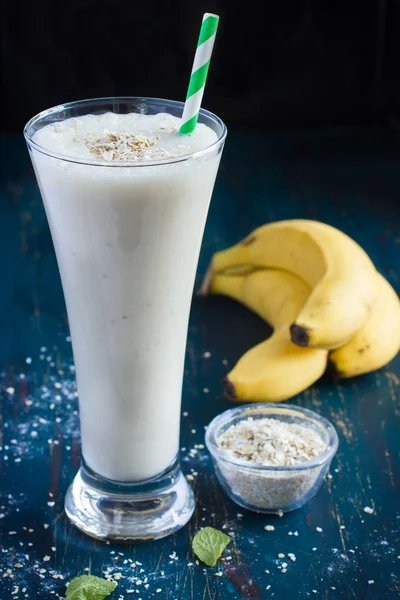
[127, 238]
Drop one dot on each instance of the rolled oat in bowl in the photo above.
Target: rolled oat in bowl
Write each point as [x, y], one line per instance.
[271, 458]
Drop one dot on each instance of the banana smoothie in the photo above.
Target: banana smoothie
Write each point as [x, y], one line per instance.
[127, 212]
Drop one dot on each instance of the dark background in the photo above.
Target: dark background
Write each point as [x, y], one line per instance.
[282, 62]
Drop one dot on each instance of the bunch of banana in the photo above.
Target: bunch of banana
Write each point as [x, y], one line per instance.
[320, 292]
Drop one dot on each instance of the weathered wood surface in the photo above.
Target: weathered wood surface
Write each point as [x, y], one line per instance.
[349, 178]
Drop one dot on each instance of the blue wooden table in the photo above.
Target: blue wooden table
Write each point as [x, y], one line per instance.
[349, 178]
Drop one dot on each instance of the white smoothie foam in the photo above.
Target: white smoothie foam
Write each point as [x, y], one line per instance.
[127, 241]
[86, 137]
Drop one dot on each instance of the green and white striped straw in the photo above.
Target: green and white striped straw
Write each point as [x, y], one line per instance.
[199, 73]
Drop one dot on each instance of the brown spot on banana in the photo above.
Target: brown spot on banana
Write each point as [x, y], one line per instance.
[299, 335]
[363, 349]
[248, 241]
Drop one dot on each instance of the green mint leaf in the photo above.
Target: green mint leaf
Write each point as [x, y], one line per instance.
[89, 587]
[208, 545]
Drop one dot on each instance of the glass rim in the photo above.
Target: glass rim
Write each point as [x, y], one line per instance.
[126, 164]
[228, 416]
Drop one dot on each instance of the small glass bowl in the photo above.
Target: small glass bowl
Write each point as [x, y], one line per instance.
[270, 489]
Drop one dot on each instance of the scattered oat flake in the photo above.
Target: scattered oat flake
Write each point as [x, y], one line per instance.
[370, 581]
[51, 503]
[280, 555]
[46, 558]
[292, 556]
[319, 529]
[368, 510]
[269, 528]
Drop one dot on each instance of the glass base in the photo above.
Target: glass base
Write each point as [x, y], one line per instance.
[127, 512]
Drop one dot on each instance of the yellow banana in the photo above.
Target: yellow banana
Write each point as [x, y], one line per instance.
[276, 296]
[341, 275]
[377, 342]
[275, 369]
